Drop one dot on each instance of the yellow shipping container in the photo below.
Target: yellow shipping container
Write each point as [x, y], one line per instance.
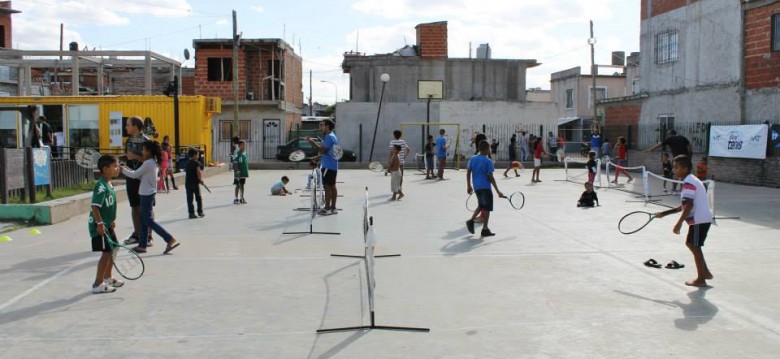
[98, 121]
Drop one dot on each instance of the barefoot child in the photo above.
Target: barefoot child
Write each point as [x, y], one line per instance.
[480, 170]
[101, 224]
[394, 168]
[278, 188]
[696, 212]
[514, 165]
[589, 197]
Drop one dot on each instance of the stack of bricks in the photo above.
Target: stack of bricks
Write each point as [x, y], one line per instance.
[432, 40]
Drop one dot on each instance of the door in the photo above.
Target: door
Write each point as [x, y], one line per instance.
[272, 132]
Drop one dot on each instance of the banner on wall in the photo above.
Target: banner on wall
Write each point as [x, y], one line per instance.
[115, 129]
[745, 141]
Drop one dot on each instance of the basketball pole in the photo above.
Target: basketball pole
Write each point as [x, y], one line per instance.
[384, 78]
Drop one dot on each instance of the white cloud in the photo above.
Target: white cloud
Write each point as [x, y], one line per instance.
[257, 8]
[37, 26]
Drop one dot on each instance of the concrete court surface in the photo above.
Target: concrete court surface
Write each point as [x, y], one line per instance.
[556, 282]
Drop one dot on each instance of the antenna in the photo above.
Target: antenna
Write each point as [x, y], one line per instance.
[357, 41]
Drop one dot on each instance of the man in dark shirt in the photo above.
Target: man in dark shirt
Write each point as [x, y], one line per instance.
[678, 144]
[135, 141]
[192, 184]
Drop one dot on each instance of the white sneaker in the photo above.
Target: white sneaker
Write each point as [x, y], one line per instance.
[665, 191]
[116, 283]
[103, 288]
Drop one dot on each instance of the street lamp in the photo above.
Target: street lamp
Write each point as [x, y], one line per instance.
[384, 78]
[336, 93]
[172, 90]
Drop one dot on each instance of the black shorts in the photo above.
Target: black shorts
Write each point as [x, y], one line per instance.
[100, 243]
[241, 181]
[132, 192]
[484, 199]
[329, 176]
[697, 234]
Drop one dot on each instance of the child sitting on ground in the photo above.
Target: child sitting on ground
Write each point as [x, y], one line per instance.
[278, 188]
[589, 197]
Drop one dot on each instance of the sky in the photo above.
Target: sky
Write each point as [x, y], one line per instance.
[553, 32]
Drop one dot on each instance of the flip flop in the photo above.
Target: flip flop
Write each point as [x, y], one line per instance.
[170, 248]
[674, 265]
[652, 263]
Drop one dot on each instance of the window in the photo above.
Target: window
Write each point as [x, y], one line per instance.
[226, 126]
[569, 98]
[635, 86]
[666, 47]
[220, 69]
[776, 32]
[8, 122]
[601, 93]
[83, 126]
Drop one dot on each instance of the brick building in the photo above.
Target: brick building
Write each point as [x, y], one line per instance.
[708, 63]
[270, 92]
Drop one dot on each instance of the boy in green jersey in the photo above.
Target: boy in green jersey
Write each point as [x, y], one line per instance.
[101, 224]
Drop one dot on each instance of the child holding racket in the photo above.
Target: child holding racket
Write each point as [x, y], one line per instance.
[101, 224]
[696, 212]
[192, 180]
[480, 171]
[394, 168]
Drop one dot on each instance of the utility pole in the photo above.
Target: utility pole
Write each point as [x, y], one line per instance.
[234, 131]
[311, 109]
[592, 42]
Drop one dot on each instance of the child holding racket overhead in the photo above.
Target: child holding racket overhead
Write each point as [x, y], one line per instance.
[101, 224]
[696, 212]
[480, 171]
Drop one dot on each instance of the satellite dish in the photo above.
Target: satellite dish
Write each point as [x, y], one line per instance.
[186, 54]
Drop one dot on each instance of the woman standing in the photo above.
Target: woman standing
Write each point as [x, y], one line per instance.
[151, 154]
[513, 148]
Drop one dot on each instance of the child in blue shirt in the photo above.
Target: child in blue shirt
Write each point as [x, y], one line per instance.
[480, 171]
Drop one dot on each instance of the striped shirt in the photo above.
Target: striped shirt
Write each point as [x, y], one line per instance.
[404, 148]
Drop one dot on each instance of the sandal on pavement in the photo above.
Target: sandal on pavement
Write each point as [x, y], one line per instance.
[652, 263]
[674, 265]
[169, 248]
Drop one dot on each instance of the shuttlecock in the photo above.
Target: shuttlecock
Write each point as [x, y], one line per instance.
[5, 239]
[34, 232]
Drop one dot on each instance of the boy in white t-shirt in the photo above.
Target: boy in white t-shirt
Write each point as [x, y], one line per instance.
[696, 212]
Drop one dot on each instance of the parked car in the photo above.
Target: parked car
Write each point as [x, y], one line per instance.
[283, 152]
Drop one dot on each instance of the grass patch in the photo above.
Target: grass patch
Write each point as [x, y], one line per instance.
[57, 193]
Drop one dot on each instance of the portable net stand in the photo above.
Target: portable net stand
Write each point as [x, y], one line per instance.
[639, 181]
[655, 186]
[580, 175]
[314, 205]
[369, 240]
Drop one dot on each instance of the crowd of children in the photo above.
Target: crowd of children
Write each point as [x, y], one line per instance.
[149, 166]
